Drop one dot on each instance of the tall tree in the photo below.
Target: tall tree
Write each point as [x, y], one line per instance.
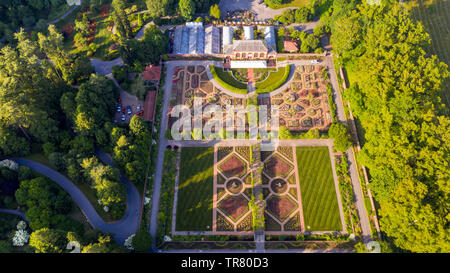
[187, 9]
[27, 92]
[214, 11]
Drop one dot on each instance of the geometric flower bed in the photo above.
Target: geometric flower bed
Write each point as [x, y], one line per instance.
[233, 190]
[233, 166]
[304, 104]
[280, 187]
[277, 166]
[281, 206]
[234, 206]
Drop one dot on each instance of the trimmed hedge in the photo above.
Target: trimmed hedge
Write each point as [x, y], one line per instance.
[329, 89]
[272, 82]
[218, 77]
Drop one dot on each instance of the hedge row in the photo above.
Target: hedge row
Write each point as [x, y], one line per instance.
[225, 84]
[331, 102]
[276, 84]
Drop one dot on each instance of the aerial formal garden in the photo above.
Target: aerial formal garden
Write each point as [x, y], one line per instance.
[89, 95]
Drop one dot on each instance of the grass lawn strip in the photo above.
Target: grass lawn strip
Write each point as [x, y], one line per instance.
[195, 190]
[319, 200]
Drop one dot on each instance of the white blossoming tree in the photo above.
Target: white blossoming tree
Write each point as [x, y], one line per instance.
[20, 238]
[9, 164]
[73, 2]
[128, 242]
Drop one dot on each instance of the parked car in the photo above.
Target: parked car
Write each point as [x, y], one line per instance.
[123, 117]
[314, 61]
[123, 110]
[138, 107]
[129, 110]
[118, 107]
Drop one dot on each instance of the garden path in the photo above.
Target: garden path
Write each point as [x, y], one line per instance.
[121, 229]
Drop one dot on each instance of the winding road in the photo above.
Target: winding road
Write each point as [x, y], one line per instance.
[121, 229]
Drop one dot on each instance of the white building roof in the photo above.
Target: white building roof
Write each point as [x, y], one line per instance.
[227, 35]
[248, 33]
[189, 39]
[269, 36]
[212, 40]
[248, 64]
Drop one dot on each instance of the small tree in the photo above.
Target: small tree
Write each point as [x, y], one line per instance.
[187, 8]
[214, 11]
[142, 241]
[339, 133]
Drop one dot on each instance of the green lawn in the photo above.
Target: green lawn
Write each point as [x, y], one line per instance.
[287, 3]
[39, 157]
[274, 80]
[195, 189]
[228, 78]
[319, 200]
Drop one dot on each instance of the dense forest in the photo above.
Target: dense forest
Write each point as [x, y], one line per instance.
[52, 103]
[25, 13]
[407, 137]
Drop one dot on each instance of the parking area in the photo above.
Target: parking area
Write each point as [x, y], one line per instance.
[261, 11]
[128, 106]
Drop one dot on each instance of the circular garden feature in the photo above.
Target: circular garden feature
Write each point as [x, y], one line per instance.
[234, 186]
[279, 186]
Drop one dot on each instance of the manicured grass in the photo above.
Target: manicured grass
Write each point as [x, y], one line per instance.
[319, 200]
[195, 189]
[274, 80]
[287, 3]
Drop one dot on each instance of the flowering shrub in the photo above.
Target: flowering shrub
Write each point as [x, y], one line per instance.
[21, 225]
[128, 242]
[9, 164]
[20, 238]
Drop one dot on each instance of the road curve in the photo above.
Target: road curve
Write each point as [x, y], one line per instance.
[15, 212]
[121, 229]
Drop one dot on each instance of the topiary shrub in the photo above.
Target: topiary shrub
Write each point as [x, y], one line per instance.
[142, 241]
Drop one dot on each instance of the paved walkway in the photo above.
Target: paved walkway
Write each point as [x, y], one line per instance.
[105, 67]
[15, 212]
[359, 197]
[121, 229]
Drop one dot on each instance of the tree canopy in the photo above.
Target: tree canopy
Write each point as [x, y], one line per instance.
[407, 139]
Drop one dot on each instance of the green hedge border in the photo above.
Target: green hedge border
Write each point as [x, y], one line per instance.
[225, 84]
